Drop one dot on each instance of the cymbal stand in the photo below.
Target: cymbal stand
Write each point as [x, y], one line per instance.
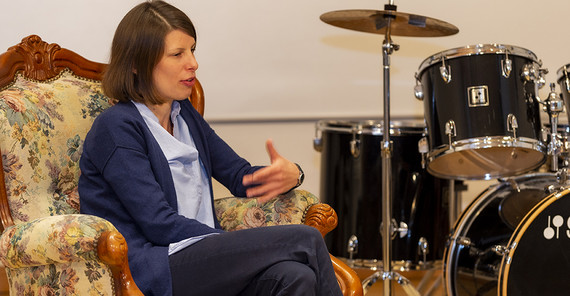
[387, 229]
[554, 106]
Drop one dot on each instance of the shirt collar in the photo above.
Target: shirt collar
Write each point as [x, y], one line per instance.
[144, 110]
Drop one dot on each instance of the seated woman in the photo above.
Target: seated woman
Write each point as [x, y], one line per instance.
[147, 165]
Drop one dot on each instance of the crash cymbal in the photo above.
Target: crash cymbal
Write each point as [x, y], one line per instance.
[403, 24]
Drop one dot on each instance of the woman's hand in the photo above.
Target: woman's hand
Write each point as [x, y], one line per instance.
[270, 181]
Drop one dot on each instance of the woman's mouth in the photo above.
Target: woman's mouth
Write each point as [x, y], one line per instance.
[188, 82]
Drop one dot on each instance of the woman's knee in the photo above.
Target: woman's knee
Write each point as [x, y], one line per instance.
[288, 278]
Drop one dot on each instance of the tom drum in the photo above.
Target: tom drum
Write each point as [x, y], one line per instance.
[351, 182]
[481, 111]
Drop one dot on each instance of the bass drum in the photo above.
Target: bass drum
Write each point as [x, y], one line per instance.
[472, 261]
[537, 260]
[351, 182]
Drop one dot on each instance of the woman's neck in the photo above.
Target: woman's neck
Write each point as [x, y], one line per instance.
[162, 112]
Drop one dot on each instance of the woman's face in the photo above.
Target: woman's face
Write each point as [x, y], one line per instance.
[174, 75]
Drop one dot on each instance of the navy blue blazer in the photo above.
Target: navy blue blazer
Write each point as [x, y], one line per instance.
[125, 178]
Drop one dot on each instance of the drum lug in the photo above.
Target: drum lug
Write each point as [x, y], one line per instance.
[562, 176]
[352, 247]
[533, 73]
[545, 134]
[450, 131]
[423, 248]
[464, 241]
[445, 71]
[512, 124]
[423, 148]
[317, 141]
[355, 144]
[503, 250]
[506, 66]
[318, 144]
[418, 90]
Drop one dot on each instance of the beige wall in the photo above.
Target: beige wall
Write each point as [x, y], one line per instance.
[272, 69]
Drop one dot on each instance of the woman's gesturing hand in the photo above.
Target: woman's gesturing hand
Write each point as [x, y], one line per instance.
[270, 181]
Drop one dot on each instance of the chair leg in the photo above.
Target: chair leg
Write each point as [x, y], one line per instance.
[324, 218]
[112, 249]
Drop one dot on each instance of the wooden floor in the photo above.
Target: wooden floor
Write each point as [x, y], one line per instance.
[427, 283]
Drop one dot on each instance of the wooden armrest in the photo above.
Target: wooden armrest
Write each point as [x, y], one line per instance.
[324, 218]
[112, 249]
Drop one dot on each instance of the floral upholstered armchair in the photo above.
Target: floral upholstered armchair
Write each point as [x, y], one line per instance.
[49, 97]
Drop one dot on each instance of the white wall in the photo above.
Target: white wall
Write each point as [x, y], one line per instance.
[272, 68]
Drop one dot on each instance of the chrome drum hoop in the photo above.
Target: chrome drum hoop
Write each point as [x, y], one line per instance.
[372, 127]
[478, 49]
[473, 144]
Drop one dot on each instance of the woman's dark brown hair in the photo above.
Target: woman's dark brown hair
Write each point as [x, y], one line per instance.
[138, 46]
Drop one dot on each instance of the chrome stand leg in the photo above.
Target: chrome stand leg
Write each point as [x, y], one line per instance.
[388, 277]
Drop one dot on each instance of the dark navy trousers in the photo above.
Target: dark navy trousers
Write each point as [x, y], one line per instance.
[265, 261]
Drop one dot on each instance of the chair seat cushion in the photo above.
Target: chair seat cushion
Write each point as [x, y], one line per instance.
[52, 239]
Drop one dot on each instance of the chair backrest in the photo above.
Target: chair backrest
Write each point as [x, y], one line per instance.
[49, 97]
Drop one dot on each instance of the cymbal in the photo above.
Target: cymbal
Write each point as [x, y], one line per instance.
[404, 24]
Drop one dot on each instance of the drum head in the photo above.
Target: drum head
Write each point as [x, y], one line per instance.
[471, 262]
[486, 163]
[539, 258]
[517, 204]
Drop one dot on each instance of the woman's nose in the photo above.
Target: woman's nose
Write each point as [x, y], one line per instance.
[192, 63]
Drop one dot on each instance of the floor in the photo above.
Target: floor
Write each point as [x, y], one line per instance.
[427, 283]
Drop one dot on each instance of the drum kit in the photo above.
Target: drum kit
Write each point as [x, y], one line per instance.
[393, 184]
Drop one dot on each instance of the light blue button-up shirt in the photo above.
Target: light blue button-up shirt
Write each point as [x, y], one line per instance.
[188, 173]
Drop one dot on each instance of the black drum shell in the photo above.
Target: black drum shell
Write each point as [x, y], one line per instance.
[353, 187]
[450, 101]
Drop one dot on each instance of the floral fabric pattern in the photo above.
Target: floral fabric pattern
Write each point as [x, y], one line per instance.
[42, 127]
[51, 250]
[241, 213]
[56, 255]
[70, 278]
